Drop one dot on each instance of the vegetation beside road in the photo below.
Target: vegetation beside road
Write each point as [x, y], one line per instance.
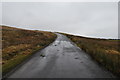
[104, 51]
[19, 44]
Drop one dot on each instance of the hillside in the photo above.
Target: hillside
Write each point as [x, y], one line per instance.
[104, 51]
[19, 44]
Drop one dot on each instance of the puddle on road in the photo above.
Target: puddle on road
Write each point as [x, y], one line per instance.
[70, 49]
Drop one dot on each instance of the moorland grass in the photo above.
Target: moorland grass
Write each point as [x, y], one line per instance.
[19, 44]
[104, 51]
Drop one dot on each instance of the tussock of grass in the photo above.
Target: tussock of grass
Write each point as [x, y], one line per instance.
[106, 52]
[19, 44]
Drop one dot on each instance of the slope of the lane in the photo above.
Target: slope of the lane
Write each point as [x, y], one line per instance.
[62, 59]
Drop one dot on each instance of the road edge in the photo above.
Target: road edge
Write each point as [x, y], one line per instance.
[26, 60]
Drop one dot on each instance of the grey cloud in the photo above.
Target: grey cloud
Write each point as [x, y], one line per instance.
[87, 19]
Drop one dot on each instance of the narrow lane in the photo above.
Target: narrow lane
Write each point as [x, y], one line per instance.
[62, 59]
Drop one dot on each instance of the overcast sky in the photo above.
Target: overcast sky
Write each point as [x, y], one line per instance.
[92, 19]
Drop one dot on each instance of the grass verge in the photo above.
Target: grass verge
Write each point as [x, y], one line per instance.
[104, 51]
[19, 44]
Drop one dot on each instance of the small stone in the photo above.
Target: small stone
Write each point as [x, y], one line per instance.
[42, 55]
[76, 58]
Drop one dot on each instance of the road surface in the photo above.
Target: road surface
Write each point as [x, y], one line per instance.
[61, 59]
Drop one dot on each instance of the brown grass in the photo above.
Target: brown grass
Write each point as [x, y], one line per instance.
[105, 51]
[19, 44]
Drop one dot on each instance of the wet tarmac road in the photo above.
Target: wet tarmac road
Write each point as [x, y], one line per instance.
[62, 59]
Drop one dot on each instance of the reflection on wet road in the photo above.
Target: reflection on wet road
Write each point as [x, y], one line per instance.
[62, 59]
